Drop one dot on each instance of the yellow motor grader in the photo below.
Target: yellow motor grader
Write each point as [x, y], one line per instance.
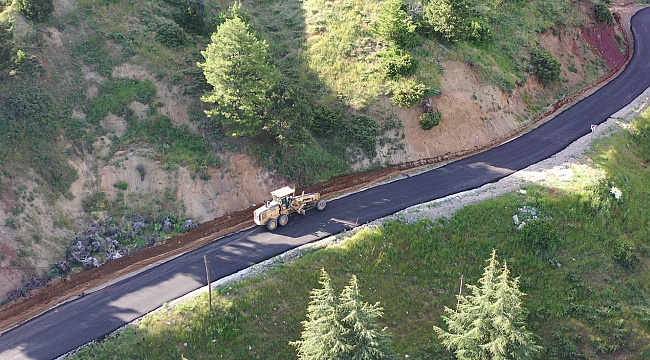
[284, 203]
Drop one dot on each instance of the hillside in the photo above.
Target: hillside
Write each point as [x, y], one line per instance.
[103, 106]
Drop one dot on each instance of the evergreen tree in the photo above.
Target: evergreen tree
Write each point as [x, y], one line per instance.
[237, 66]
[489, 323]
[359, 319]
[395, 26]
[322, 337]
[343, 328]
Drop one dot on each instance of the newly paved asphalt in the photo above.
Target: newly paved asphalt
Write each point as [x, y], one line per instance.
[80, 321]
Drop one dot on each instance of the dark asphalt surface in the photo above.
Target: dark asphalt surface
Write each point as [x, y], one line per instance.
[78, 322]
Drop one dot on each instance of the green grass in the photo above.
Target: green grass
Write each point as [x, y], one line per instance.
[581, 302]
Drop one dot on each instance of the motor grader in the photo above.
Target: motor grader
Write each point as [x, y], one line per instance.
[284, 203]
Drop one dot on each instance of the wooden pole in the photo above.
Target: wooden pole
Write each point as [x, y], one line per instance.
[207, 273]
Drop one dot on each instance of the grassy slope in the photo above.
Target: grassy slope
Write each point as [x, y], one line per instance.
[582, 302]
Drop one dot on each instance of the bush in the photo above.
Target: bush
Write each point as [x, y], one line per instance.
[94, 202]
[430, 120]
[396, 63]
[540, 235]
[35, 10]
[603, 14]
[122, 185]
[407, 96]
[6, 42]
[362, 131]
[546, 66]
[327, 121]
[478, 32]
[625, 255]
[171, 35]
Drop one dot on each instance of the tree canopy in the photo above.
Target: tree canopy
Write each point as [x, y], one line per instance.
[238, 68]
[343, 328]
[489, 323]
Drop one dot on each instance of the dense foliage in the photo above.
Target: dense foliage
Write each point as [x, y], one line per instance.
[36, 10]
[429, 120]
[490, 322]
[343, 327]
[546, 66]
[238, 68]
[603, 14]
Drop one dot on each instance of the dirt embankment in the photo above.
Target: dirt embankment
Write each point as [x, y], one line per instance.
[423, 149]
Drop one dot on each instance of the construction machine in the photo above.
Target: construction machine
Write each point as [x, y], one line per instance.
[284, 203]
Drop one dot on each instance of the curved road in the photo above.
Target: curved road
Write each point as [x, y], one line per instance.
[78, 322]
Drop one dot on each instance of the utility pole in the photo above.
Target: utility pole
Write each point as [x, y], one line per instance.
[207, 274]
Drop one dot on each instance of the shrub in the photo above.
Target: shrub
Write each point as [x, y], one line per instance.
[397, 63]
[94, 202]
[429, 120]
[362, 131]
[190, 17]
[6, 42]
[625, 255]
[408, 95]
[122, 185]
[546, 66]
[540, 235]
[35, 10]
[603, 14]
[478, 31]
[327, 121]
[171, 35]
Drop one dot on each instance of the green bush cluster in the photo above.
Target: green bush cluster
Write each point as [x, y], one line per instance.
[6, 42]
[603, 14]
[362, 131]
[429, 120]
[540, 236]
[115, 95]
[35, 10]
[641, 135]
[122, 185]
[546, 66]
[190, 17]
[626, 256]
[327, 121]
[91, 52]
[397, 63]
[171, 35]
[96, 201]
[408, 95]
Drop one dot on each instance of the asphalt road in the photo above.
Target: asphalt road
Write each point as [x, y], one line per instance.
[78, 322]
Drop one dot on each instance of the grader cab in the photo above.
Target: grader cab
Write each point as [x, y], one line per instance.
[284, 202]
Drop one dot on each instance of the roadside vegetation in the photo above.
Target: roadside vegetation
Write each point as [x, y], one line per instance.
[581, 259]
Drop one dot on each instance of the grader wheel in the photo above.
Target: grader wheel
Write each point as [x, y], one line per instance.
[272, 224]
[283, 220]
[320, 205]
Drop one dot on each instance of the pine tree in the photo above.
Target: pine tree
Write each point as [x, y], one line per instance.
[237, 66]
[359, 319]
[489, 323]
[322, 337]
[395, 26]
[343, 328]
